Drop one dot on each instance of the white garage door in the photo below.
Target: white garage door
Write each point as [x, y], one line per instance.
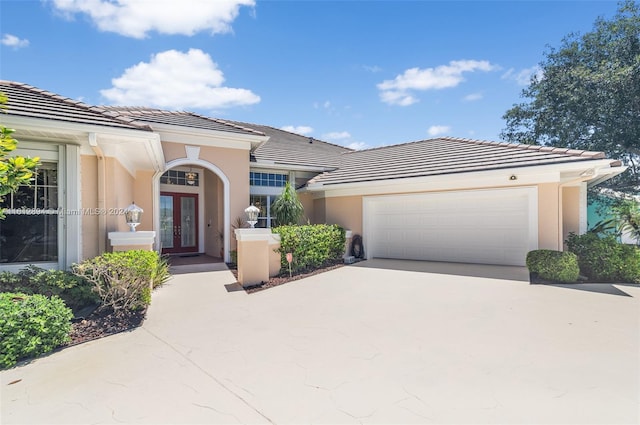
[480, 226]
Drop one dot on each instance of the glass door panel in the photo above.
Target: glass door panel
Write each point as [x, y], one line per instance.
[188, 222]
[166, 221]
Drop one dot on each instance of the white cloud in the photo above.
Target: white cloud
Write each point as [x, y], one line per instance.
[374, 69]
[298, 129]
[436, 130]
[135, 18]
[176, 80]
[473, 97]
[13, 41]
[399, 90]
[524, 76]
[336, 135]
[357, 146]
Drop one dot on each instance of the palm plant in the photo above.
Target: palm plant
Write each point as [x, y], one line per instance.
[287, 208]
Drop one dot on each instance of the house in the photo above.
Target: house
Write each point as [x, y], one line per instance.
[444, 199]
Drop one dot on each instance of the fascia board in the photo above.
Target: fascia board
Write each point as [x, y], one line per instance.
[272, 165]
[478, 179]
[76, 131]
[203, 137]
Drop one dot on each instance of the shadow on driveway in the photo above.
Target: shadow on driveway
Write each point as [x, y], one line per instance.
[600, 288]
[457, 269]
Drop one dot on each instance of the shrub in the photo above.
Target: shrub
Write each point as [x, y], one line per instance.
[552, 265]
[74, 291]
[312, 246]
[605, 259]
[123, 280]
[31, 325]
[288, 208]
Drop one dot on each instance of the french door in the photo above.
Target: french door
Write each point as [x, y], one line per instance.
[178, 222]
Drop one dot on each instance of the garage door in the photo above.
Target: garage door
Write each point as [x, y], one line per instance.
[480, 226]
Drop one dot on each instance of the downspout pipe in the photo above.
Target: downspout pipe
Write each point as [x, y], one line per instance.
[102, 218]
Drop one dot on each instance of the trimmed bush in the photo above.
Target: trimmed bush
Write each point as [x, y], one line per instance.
[604, 259]
[124, 280]
[76, 292]
[31, 325]
[554, 266]
[312, 246]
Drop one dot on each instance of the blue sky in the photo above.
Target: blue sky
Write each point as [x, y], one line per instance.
[357, 73]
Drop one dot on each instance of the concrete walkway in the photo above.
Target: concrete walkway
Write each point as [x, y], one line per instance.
[379, 342]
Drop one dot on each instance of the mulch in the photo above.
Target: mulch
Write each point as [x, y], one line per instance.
[283, 278]
[100, 324]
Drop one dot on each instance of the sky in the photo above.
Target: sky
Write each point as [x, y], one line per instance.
[360, 74]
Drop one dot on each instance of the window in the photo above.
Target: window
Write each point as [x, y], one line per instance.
[29, 233]
[267, 179]
[181, 178]
[264, 204]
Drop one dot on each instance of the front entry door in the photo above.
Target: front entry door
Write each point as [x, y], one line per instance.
[179, 222]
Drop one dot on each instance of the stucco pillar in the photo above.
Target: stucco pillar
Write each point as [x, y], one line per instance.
[257, 259]
[128, 241]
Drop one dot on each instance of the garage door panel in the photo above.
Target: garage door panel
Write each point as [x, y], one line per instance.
[488, 226]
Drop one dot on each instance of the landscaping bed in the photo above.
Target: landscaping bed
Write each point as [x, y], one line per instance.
[100, 324]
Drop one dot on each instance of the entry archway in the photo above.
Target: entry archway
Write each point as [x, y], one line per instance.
[195, 162]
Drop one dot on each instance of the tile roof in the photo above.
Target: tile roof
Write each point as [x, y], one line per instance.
[180, 118]
[28, 101]
[445, 155]
[286, 148]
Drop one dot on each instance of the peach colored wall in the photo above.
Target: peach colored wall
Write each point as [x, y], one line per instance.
[143, 197]
[212, 242]
[345, 211]
[570, 211]
[89, 196]
[548, 216]
[119, 194]
[306, 199]
[319, 211]
[234, 163]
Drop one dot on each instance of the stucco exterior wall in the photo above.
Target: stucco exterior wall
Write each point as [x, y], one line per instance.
[119, 194]
[306, 199]
[143, 197]
[319, 211]
[212, 223]
[234, 163]
[345, 211]
[570, 211]
[89, 196]
[548, 216]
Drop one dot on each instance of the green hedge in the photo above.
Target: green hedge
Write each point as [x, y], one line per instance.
[124, 280]
[554, 266]
[312, 246]
[76, 292]
[604, 259]
[31, 325]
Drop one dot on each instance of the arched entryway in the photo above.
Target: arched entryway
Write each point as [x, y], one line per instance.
[186, 214]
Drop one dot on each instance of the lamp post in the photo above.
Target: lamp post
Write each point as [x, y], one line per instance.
[132, 215]
[252, 215]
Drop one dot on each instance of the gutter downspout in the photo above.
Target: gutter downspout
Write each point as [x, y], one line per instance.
[102, 218]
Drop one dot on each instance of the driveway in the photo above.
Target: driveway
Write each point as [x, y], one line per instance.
[379, 342]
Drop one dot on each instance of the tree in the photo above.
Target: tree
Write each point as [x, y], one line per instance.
[16, 170]
[588, 95]
[288, 208]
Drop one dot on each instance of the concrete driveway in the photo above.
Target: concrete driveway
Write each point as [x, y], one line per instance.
[378, 342]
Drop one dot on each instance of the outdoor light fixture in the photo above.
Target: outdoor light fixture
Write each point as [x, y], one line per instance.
[191, 177]
[252, 215]
[132, 215]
